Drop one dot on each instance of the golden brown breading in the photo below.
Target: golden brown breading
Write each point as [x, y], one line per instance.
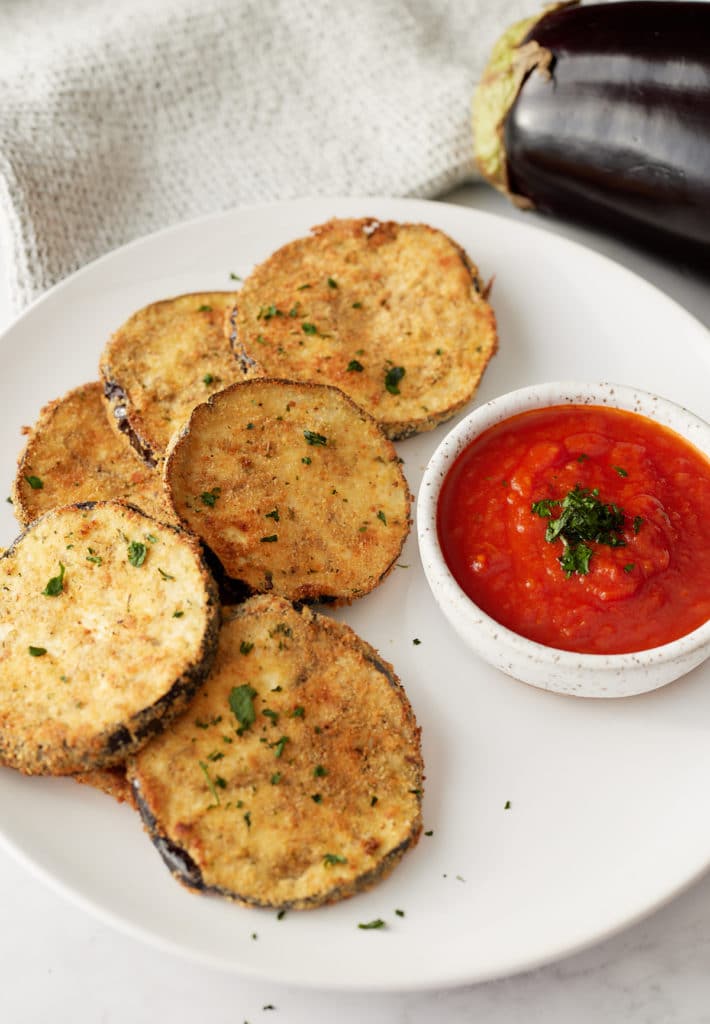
[111, 781]
[293, 487]
[73, 455]
[165, 359]
[295, 778]
[391, 313]
[108, 624]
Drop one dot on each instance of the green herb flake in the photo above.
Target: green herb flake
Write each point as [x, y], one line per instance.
[276, 778]
[373, 801]
[620, 470]
[301, 287]
[506, 805]
[316, 798]
[332, 283]
[429, 832]
[319, 771]
[37, 652]
[399, 913]
[355, 366]
[382, 517]
[247, 818]
[219, 781]
[637, 523]
[330, 859]
[246, 646]
[368, 925]
[55, 585]
[306, 460]
[629, 567]
[273, 715]
[416, 641]
[313, 438]
[575, 559]
[241, 702]
[278, 747]
[281, 915]
[235, 277]
[210, 497]
[392, 379]
[210, 784]
[582, 457]
[268, 312]
[271, 539]
[165, 575]
[9, 500]
[208, 379]
[93, 557]
[204, 309]
[274, 514]
[297, 712]
[178, 614]
[309, 328]
[136, 553]
[35, 483]
[149, 537]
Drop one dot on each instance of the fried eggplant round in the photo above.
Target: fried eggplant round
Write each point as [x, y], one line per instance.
[73, 454]
[108, 624]
[163, 361]
[295, 778]
[293, 488]
[393, 314]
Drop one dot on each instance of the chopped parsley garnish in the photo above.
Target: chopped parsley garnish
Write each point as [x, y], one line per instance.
[279, 746]
[355, 366]
[382, 517]
[506, 805]
[399, 913]
[637, 523]
[270, 539]
[309, 328]
[333, 858]
[416, 641]
[393, 377]
[210, 497]
[429, 832]
[332, 283]
[178, 614]
[136, 553]
[37, 652]
[210, 784]
[582, 517]
[302, 286]
[35, 483]
[151, 538]
[313, 438]
[268, 312]
[55, 585]
[306, 460]
[245, 646]
[241, 701]
[316, 798]
[208, 379]
[620, 470]
[204, 309]
[93, 557]
[319, 771]
[234, 277]
[629, 567]
[247, 818]
[272, 515]
[377, 923]
[298, 712]
[273, 715]
[276, 778]
[165, 575]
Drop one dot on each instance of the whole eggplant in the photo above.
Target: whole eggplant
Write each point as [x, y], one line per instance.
[601, 114]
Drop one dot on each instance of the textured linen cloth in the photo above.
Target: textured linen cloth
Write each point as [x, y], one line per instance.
[119, 117]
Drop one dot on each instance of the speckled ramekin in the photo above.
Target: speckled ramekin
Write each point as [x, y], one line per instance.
[582, 675]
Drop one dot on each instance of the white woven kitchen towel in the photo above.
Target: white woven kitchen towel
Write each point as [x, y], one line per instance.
[118, 117]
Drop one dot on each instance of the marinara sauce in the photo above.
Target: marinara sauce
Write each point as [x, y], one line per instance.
[645, 584]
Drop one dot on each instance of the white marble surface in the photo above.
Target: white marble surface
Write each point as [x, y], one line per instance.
[58, 963]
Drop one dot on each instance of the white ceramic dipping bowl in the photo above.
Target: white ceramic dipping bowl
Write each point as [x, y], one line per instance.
[583, 675]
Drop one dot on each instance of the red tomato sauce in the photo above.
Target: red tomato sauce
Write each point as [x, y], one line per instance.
[650, 589]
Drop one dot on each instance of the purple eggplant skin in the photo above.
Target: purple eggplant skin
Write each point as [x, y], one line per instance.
[619, 135]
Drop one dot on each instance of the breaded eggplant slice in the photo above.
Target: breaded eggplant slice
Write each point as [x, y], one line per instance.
[394, 314]
[293, 487]
[111, 781]
[73, 454]
[295, 778]
[108, 624]
[163, 361]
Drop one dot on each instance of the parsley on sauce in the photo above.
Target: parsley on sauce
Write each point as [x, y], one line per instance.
[582, 518]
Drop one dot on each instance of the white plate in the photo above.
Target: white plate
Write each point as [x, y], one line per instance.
[606, 815]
